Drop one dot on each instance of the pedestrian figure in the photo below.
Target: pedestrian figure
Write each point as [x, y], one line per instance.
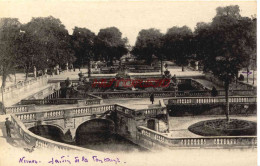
[152, 98]
[8, 127]
[214, 92]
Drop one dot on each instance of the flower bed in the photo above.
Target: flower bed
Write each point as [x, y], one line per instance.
[220, 127]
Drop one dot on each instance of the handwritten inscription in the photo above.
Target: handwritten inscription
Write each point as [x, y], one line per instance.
[71, 160]
[248, 73]
[28, 161]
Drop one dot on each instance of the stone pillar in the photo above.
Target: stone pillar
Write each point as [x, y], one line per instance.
[81, 103]
[67, 66]
[72, 67]
[31, 108]
[101, 101]
[156, 125]
[34, 72]
[69, 135]
[197, 65]
[57, 69]
[45, 71]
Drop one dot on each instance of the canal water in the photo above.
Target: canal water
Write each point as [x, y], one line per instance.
[105, 142]
[113, 143]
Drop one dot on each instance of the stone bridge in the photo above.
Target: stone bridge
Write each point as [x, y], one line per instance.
[116, 118]
[146, 127]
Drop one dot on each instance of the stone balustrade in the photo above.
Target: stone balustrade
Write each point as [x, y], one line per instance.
[44, 93]
[93, 101]
[63, 113]
[22, 84]
[40, 142]
[54, 95]
[87, 111]
[58, 101]
[12, 94]
[82, 111]
[140, 113]
[160, 94]
[124, 110]
[198, 85]
[155, 138]
[235, 85]
[210, 100]
[50, 101]
[19, 109]
[149, 113]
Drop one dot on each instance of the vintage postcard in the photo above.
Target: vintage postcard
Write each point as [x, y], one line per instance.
[131, 83]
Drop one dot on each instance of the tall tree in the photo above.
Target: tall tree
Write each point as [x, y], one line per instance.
[28, 50]
[83, 44]
[148, 43]
[9, 32]
[110, 45]
[178, 44]
[52, 41]
[229, 42]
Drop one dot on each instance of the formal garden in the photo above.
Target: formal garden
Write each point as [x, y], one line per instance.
[150, 74]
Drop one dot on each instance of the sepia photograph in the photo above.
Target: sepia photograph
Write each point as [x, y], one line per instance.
[133, 83]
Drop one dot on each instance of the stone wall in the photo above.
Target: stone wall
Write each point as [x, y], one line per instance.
[197, 110]
[15, 93]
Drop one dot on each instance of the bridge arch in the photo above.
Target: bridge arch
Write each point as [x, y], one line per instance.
[53, 132]
[94, 130]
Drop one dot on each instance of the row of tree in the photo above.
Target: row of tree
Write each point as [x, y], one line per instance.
[228, 32]
[45, 43]
[224, 46]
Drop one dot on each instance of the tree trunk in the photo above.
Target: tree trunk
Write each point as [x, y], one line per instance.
[253, 77]
[161, 66]
[168, 121]
[247, 73]
[3, 107]
[237, 76]
[26, 73]
[111, 62]
[15, 77]
[227, 100]
[182, 67]
[2, 89]
[89, 69]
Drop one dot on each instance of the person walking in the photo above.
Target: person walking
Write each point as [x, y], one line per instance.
[8, 127]
[152, 98]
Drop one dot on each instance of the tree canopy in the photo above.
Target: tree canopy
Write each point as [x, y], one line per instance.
[83, 45]
[226, 45]
[9, 32]
[110, 45]
[52, 39]
[148, 43]
[178, 44]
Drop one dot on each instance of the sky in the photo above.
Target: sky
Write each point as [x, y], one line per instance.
[129, 16]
